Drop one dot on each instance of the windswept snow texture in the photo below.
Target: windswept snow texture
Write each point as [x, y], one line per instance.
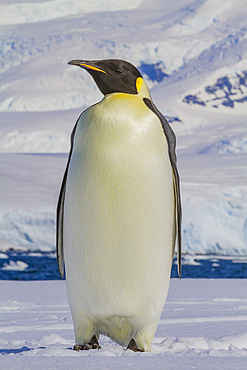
[188, 51]
[203, 326]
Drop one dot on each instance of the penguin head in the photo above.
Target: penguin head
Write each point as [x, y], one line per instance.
[112, 75]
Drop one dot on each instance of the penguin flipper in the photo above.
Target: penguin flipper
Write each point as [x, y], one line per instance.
[59, 233]
[60, 209]
[171, 140]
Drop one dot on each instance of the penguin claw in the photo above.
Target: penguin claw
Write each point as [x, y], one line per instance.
[77, 347]
[93, 344]
[133, 346]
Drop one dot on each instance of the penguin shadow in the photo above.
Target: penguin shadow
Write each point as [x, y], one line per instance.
[14, 350]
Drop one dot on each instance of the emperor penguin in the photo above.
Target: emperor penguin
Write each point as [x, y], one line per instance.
[119, 212]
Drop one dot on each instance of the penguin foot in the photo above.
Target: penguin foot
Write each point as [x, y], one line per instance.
[133, 346]
[93, 344]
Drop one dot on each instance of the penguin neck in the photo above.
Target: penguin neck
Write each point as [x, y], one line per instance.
[120, 115]
[142, 91]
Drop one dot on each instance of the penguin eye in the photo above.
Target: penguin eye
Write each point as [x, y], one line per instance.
[117, 71]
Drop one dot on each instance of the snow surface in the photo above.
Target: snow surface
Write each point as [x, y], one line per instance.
[203, 326]
[182, 47]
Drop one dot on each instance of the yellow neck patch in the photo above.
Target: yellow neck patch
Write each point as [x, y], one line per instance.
[142, 89]
[139, 82]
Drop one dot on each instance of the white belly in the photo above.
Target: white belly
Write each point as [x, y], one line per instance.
[119, 212]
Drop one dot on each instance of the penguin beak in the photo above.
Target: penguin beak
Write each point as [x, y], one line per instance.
[86, 65]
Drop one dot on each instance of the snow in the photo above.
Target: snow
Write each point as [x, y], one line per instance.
[40, 11]
[229, 90]
[183, 48]
[39, 141]
[203, 325]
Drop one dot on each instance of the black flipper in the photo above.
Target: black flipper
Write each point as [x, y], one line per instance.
[171, 140]
[60, 209]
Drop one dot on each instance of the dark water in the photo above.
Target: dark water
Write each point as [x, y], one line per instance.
[43, 266]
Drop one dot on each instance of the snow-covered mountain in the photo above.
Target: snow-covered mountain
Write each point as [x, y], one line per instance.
[229, 91]
[193, 55]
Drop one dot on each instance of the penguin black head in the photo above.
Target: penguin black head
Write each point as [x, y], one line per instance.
[112, 75]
